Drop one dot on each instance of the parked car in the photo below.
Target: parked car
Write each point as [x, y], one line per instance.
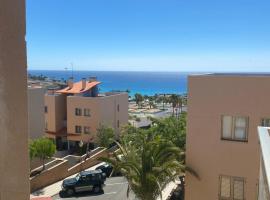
[105, 168]
[108, 170]
[86, 181]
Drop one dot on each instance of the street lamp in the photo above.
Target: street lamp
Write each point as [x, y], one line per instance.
[81, 145]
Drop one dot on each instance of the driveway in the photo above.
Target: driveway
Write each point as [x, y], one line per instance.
[115, 189]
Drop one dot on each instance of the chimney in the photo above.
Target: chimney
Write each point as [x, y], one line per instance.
[92, 79]
[70, 83]
[83, 83]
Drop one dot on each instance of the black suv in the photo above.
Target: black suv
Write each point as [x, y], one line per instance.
[86, 181]
[105, 168]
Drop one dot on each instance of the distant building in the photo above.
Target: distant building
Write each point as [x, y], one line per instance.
[36, 118]
[224, 111]
[74, 113]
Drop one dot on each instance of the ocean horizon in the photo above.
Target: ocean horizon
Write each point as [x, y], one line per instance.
[146, 83]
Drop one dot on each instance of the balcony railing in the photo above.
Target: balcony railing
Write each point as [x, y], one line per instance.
[264, 179]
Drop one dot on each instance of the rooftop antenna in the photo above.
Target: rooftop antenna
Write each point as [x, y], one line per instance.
[72, 69]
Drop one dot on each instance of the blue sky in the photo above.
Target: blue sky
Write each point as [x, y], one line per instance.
[152, 35]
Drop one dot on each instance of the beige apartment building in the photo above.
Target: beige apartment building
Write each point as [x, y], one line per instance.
[73, 114]
[224, 111]
[36, 118]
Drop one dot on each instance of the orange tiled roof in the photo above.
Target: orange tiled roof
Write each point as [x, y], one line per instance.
[41, 198]
[77, 87]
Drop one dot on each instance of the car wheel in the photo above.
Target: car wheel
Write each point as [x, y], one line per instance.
[70, 192]
[62, 194]
[97, 189]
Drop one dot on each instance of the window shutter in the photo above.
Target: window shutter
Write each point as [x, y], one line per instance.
[225, 187]
[240, 128]
[227, 127]
[238, 189]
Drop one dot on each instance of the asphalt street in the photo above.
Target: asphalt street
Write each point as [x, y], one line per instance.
[115, 189]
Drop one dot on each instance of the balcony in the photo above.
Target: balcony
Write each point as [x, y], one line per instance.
[264, 179]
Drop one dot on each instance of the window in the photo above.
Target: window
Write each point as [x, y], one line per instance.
[118, 107]
[78, 112]
[225, 187]
[46, 109]
[231, 188]
[86, 129]
[234, 128]
[265, 122]
[78, 129]
[87, 112]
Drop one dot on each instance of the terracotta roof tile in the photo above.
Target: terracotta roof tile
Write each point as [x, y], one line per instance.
[77, 88]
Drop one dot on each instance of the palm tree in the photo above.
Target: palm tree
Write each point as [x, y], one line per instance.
[162, 99]
[151, 104]
[174, 101]
[148, 164]
[138, 98]
[180, 103]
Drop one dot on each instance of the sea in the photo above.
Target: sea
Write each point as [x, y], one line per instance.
[146, 83]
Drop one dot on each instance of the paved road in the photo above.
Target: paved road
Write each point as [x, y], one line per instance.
[115, 189]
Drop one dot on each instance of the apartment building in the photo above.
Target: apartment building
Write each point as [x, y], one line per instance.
[36, 118]
[74, 113]
[224, 111]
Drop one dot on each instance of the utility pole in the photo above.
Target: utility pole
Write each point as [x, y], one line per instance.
[72, 70]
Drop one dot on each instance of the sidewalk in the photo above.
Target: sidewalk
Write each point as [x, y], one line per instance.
[54, 189]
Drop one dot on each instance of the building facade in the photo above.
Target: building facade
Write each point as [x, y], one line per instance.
[14, 162]
[73, 114]
[36, 118]
[224, 111]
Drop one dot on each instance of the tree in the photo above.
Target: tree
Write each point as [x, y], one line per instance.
[149, 164]
[174, 101]
[172, 129]
[152, 104]
[180, 103]
[42, 148]
[32, 150]
[138, 98]
[105, 136]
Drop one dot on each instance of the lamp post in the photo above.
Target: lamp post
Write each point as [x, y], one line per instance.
[81, 145]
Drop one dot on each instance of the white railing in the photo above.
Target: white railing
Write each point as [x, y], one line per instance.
[264, 179]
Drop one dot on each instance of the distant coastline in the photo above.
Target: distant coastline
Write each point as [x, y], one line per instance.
[146, 83]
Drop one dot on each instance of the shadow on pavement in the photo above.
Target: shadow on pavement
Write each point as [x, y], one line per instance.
[81, 194]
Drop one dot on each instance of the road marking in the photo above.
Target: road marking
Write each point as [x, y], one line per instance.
[116, 183]
[111, 193]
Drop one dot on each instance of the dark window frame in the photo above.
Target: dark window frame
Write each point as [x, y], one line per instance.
[86, 112]
[78, 129]
[84, 130]
[232, 179]
[78, 111]
[233, 127]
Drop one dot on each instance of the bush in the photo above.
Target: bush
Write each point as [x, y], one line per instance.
[42, 148]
